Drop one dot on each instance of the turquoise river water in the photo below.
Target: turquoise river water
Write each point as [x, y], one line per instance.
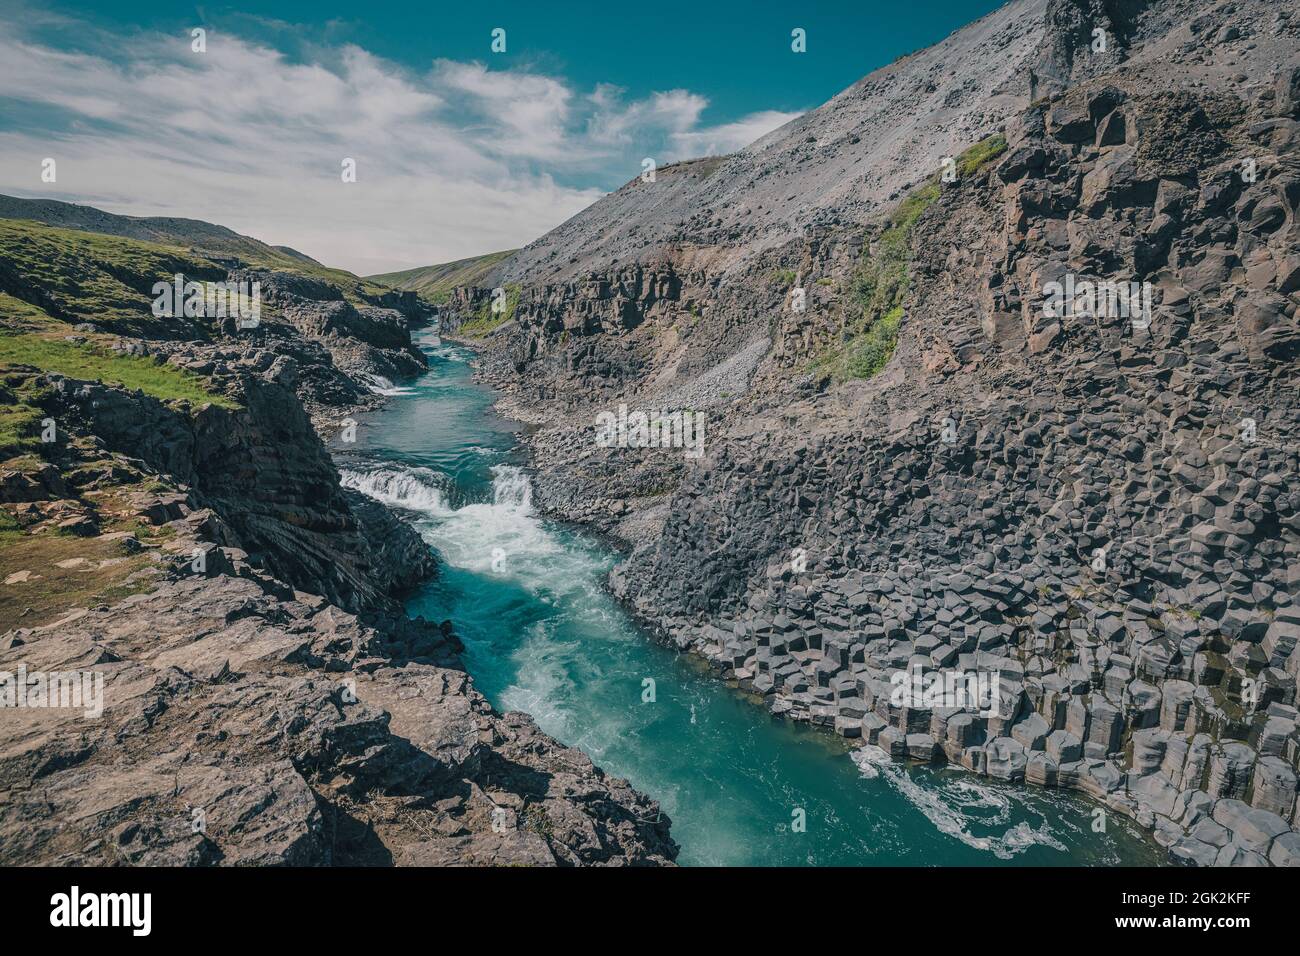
[543, 636]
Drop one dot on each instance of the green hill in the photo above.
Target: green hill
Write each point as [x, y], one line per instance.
[433, 283]
[181, 236]
[66, 265]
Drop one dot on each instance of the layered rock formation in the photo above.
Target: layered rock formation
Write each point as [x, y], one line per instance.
[1097, 507]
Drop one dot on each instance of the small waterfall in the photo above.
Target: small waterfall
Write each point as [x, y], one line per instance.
[511, 489]
[382, 385]
[414, 489]
[543, 636]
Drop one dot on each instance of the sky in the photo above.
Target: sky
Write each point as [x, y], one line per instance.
[458, 149]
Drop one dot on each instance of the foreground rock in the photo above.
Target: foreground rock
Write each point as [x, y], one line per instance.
[247, 728]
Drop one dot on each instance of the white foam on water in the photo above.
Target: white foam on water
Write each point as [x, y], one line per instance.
[412, 489]
[511, 489]
[945, 803]
[544, 685]
[381, 385]
[504, 537]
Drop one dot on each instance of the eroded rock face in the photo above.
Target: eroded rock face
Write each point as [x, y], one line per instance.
[361, 339]
[260, 467]
[243, 728]
[1097, 508]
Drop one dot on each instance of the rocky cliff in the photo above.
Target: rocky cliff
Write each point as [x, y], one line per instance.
[915, 461]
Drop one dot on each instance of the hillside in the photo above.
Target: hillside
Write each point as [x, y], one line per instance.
[202, 239]
[435, 283]
[836, 165]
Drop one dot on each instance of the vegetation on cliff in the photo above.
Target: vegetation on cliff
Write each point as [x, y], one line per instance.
[879, 285]
[486, 321]
[84, 277]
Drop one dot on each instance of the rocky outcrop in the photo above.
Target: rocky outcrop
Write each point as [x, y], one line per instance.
[261, 468]
[831, 167]
[242, 728]
[363, 340]
[240, 715]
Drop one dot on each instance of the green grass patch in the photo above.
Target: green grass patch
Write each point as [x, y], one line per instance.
[435, 283]
[19, 316]
[87, 277]
[866, 353]
[883, 277]
[83, 361]
[76, 276]
[486, 321]
[20, 428]
[20, 421]
[981, 154]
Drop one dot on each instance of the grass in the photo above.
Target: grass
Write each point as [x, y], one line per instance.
[87, 277]
[19, 316]
[76, 276]
[880, 283]
[866, 353]
[21, 402]
[981, 154]
[85, 361]
[486, 321]
[51, 590]
[435, 283]
[20, 424]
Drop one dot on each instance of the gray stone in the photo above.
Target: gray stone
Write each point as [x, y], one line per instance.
[1253, 829]
[1006, 759]
[1274, 787]
[1064, 747]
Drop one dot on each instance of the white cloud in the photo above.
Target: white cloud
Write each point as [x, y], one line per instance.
[729, 137]
[615, 122]
[457, 161]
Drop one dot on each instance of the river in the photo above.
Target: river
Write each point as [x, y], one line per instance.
[543, 636]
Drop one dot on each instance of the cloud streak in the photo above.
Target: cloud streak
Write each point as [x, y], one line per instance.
[457, 160]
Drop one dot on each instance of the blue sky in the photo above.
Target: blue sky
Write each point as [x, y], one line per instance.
[459, 150]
